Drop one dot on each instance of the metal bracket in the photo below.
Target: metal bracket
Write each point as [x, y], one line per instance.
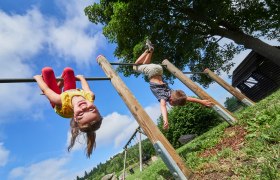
[230, 119]
[247, 102]
[170, 163]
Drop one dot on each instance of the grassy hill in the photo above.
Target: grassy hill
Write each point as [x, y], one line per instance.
[248, 150]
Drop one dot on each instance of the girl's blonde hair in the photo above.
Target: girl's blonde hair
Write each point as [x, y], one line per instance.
[89, 129]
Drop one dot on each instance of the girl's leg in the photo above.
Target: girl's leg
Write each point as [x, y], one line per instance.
[69, 79]
[148, 58]
[142, 58]
[50, 80]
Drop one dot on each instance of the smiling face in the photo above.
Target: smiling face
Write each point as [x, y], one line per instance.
[85, 112]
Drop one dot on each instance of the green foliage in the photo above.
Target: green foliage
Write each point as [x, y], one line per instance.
[192, 118]
[187, 33]
[115, 164]
[232, 104]
[157, 170]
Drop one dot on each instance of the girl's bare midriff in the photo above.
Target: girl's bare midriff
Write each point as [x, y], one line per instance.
[157, 79]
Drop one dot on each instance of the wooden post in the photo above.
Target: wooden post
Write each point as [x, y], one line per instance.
[143, 119]
[229, 88]
[199, 92]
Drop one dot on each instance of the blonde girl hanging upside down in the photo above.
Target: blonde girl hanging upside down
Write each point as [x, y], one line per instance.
[73, 103]
[159, 88]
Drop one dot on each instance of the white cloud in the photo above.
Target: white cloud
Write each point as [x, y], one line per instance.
[113, 129]
[73, 8]
[21, 38]
[119, 128]
[24, 36]
[71, 43]
[76, 38]
[50, 169]
[18, 97]
[153, 111]
[116, 128]
[21, 35]
[4, 155]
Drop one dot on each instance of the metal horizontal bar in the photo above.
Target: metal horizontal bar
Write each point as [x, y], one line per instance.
[127, 64]
[124, 64]
[194, 73]
[26, 80]
[133, 135]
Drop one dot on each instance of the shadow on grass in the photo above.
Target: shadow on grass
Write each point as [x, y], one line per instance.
[165, 174]
[190, 149]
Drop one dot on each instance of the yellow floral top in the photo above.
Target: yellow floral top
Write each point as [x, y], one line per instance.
[66, 109]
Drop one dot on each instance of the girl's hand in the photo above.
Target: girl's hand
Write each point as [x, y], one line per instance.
[207, 103]
[165, 125]
[60, 84]
[79, 77]
[84, 83]
[37, 77]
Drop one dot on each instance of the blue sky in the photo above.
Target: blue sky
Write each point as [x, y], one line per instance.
[33, 139]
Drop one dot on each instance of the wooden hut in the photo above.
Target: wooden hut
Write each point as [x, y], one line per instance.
[256, 77]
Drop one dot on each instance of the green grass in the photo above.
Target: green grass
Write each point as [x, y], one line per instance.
[255, 154]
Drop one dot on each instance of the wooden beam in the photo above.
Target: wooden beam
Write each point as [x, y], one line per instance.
[229, 88]
[143, 119]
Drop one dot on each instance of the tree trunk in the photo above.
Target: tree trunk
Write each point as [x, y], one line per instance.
[249, 42]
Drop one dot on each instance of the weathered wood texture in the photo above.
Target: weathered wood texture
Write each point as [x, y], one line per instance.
[228, 87]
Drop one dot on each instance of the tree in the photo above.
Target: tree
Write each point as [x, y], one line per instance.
[192, 118]
[232, 103]
[187, 33]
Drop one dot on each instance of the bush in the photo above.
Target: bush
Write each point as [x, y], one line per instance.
[192, 118]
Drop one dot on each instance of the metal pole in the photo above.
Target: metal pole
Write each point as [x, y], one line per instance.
[124, 163]
[128, 142]
[229, 88]
[199, 92]
[124, 64]
[143, 119]
[194, 72]
[27, 80]
[127, 64]
[140, 153]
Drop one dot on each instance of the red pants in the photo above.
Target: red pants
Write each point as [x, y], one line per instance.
[50, 79]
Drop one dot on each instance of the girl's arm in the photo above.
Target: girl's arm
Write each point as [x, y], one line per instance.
[203, 102]
[84, 84]
[51, 95]
[164, 113]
